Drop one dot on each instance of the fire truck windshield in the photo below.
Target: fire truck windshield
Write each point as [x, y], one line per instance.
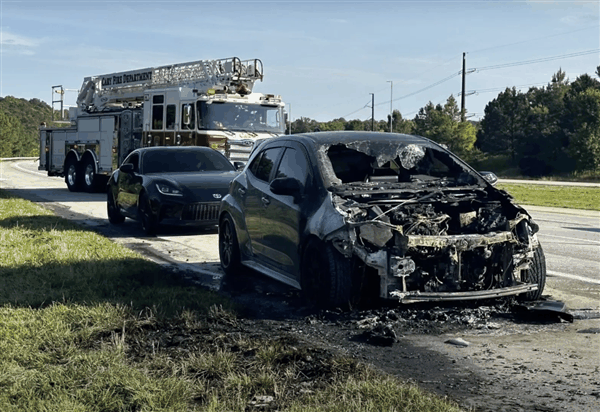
[240, 117]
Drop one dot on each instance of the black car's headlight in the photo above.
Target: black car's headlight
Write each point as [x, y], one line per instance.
[168, 190]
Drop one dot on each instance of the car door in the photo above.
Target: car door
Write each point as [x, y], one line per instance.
[283, 217]
[128, 185]
[260, 171]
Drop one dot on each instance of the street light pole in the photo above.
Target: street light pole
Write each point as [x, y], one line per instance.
[372, 111]
[391, 82]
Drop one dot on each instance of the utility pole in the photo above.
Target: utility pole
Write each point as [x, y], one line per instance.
[391, 82]
[290, 119]
[463, 94]
[372, 111]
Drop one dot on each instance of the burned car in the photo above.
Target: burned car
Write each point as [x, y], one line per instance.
[347, 215]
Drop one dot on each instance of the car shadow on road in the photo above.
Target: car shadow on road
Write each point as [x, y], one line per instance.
[585, 229]
[49, 195]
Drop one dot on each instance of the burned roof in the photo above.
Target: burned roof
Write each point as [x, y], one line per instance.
[375, 138]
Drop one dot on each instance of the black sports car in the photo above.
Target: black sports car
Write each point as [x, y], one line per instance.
[345, 215]
[169, 185]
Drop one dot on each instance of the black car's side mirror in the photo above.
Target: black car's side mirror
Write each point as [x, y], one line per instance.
[239, 165]
[287, 186]
[127, 168]
[490, 177]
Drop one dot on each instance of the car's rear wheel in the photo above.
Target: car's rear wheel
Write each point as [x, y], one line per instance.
[326, 276]
[148, 219]
[114, 216]
[535, 274]
[72, 175]
[229, 249]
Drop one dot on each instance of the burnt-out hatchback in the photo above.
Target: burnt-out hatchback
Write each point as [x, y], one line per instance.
[348, 215]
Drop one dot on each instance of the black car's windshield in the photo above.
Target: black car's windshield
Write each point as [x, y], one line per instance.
[240, 116]
[182, 161]
[410, 164]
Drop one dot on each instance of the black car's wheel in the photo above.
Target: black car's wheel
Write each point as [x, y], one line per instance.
[89, 178]
[148, 219]
[114, 216]
[72, 175]
[229, 249]
[535, 274]
[326, 276]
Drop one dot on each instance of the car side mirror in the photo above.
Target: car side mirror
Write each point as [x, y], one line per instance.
[239, 165]
[287, 186]
[490, 177]
[127, 168]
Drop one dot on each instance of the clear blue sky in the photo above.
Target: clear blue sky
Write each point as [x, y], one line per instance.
[323, 57]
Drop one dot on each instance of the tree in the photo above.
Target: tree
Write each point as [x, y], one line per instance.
[503, 123]
[399, 124]
[442, 124]
[584, 138]
[11, 136]
[304, 125]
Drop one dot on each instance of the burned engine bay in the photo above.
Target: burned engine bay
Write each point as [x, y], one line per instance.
[426, 223]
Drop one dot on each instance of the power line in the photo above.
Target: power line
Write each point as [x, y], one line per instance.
[493, 67]
[358, 110]
[537, 38]
[445, 79]
[495, 89]
[540, 60]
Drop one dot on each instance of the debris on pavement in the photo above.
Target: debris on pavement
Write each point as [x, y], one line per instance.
[545, 311]
[589, 330]
[460, 342]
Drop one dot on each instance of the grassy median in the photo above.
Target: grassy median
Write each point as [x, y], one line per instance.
[573, 197]
[86, 325]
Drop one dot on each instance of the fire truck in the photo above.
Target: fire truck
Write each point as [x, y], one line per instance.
[201, 103]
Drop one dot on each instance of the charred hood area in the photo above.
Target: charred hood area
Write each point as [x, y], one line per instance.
[426, 223]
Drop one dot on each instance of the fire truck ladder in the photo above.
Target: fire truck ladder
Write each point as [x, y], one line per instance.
[99, 91]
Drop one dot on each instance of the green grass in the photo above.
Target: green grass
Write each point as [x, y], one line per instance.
[86, 325]
[573, 197]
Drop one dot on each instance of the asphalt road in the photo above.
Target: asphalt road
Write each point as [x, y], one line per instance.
[571, 238]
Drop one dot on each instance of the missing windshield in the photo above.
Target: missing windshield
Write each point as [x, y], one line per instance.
[404, 164]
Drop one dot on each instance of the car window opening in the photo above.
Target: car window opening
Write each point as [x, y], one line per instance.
[181, 161]
[412, 164]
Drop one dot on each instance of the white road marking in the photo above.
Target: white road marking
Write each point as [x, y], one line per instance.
[574, 277]
[569, 238]
[16, 166]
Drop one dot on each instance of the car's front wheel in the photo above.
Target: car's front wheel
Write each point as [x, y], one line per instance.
[148, 219]
[114, 216]
[229, 249]
[535, 274]
[326, 275]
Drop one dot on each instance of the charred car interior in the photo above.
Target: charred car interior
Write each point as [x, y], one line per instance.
[409, 219]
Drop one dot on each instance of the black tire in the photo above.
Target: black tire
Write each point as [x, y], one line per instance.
[89, 180]
[326, 276]
[147, 218]
[229, 249]
[114, 215]
[535, 274]
[72, 175]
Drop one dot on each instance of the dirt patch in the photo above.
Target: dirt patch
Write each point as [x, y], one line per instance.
[487, 357]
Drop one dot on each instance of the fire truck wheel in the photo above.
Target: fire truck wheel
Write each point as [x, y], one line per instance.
[72, 175]
[89, 175]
